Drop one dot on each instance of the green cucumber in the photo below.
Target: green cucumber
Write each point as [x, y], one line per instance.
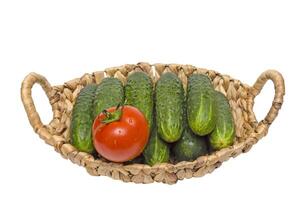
[156, 151]
[109, 93]
[190, 146]
[224, 133]
[169, 96]
[200, 104]
[139, 93]
[137, 160]
[82, 120]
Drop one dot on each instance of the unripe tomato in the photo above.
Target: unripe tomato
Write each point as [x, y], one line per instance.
[120, 134]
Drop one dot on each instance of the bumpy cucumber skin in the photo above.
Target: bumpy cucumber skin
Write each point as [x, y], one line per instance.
[139, 93]
[109, 93]
[169, 97]
[200, 105]
[190, 146]
[82, 120]
[224, 133]
[156, 151]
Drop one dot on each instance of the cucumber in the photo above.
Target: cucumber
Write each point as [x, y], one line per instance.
[223, 135]
[137, 160]
[190, 146]
[169, 96]
[200, 105]
[156, 151]
[139, 93]
[82, 120]
[109, 93]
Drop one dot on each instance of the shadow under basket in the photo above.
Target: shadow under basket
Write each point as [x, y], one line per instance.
[241, 99]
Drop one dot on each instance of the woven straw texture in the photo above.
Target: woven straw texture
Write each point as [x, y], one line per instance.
[241, 98]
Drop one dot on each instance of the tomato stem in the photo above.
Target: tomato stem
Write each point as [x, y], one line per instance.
[113, 116]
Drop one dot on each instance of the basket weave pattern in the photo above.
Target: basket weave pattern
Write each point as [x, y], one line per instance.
[241, 99]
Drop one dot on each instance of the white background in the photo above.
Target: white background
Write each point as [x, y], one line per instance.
[65, 39]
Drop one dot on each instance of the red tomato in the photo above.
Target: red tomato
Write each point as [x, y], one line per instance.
[122, 139]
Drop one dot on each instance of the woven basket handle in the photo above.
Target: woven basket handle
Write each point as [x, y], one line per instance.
[278, 81]
[27, 100]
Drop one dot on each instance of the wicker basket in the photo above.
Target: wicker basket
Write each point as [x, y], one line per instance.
[240, 96]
